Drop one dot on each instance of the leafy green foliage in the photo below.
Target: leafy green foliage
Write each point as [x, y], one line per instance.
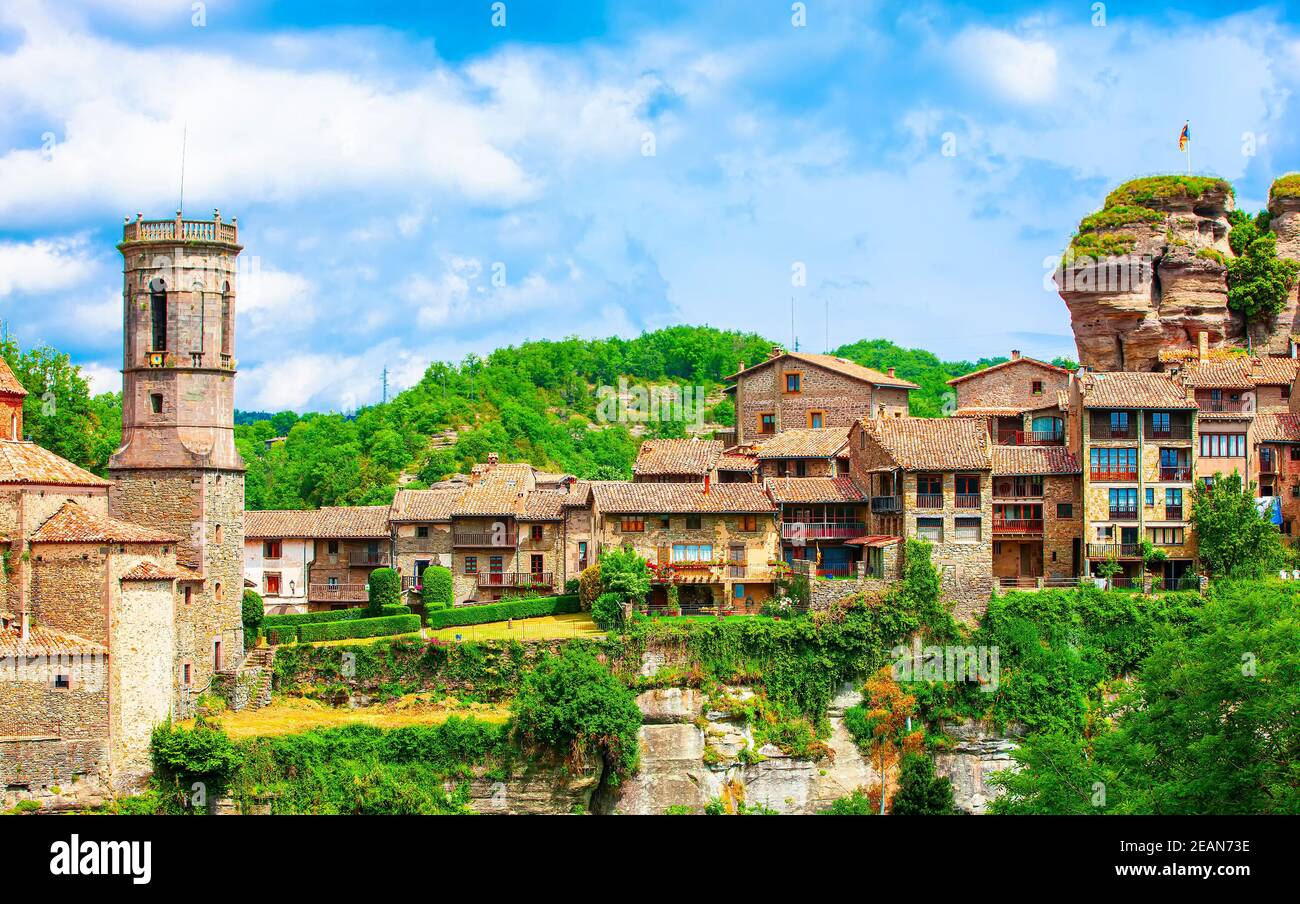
[1209, 727]
[311, 618]
[1233, 538]
[624, 573]
[437, 592]
[1259, 282]
[59, 412]
[572, 703]
[855, 804]
[385, 588]
[1287, 186]
[920, 791]
[364, 770]
[183, 756]
[1119, 215]
[607, 611]
[920, 591]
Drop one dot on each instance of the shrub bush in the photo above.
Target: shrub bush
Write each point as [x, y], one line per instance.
[573, 704]
[589, 586]
[385, 590]
[360, 627]
[253, 611]
[490, 612]
[607, 611]
[437, 591]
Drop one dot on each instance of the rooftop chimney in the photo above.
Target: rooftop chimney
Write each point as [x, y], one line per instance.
[1015, 354]
[776, 352]
[493, 458]
[1202, 345]
[740, 367]
[891, 371]
[706, 484]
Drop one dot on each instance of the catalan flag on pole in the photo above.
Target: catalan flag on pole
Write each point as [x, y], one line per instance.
[1183, 137]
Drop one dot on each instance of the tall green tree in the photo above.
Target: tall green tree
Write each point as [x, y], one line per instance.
[1233, 537]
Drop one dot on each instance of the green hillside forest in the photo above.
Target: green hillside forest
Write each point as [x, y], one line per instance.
[538, 402]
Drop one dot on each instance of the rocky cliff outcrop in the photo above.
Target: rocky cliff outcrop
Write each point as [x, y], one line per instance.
[1147, 273]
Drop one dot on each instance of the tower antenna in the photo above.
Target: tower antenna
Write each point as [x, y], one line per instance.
[185, 134]
[384, 379]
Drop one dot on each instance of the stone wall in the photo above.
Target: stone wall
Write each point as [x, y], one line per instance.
[144, 680]
[977, 752]
[840, 399]
[1012, 386]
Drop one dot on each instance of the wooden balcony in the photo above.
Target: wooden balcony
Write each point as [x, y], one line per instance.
[1104, 431]
[1123, 514]
[883, 505]
[1173, 431]
[1179, 474]
[967, 500]
[1031, 438]
[1029, 491]
[1223, 406]
[1018, 527]
[822, 530]
[337, 593]
[1113, 476]
[1114, 550]
[515, 579]
[485, 538]
[367, 559]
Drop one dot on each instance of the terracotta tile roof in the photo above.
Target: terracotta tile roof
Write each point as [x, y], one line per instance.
[737, 461]
[696, 457]
[1274, 371]
[24, 462]
[1063, 399]
[360, 522]
[1277, 428]
[74, 524]
[813, 489]
[1034, 362]
[42, 641]
[805, 443]
[1133, 389]
[490, 500]
[839, 365]
[932, 444]
[1232, 373]
[618, 497]
[424, 505]
[151, 571]
[9, 384]
[579, 495]
[1017, 460]
[543, 505]
[981, 411]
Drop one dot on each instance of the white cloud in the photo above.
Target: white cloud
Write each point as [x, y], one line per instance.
[43, 265]
[275, 300]
[1022, 70]
[102, 377]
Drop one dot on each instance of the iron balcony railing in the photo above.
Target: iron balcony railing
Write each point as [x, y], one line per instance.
[337, 593]
[1178, 474]
[1030, 491]
[929, 500]
[1104, 430]
[1173, 513]
[1123, 514]
[968, 500]
[1221, 406]
[365, 558]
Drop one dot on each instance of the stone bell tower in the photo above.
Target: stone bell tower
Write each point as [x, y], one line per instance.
[177, 469]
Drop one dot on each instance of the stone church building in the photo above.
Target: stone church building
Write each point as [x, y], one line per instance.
[120, 598]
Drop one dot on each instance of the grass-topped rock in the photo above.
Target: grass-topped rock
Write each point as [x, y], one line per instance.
[1157, 191]
[1284, 187]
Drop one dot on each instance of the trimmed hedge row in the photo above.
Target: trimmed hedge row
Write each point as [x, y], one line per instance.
[360, 627]
[316, 618]
[490, 612]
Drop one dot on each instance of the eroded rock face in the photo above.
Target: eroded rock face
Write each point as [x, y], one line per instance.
[541, 789]
[979, 752]
[1125, 310]
[691, 756]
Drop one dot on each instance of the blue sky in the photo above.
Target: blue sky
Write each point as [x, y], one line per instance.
[416, 183]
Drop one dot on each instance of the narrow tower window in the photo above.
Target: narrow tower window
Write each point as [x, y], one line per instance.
[158, 315]
[155, 402]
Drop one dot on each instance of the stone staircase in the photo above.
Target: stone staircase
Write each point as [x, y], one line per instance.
[249, 685]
